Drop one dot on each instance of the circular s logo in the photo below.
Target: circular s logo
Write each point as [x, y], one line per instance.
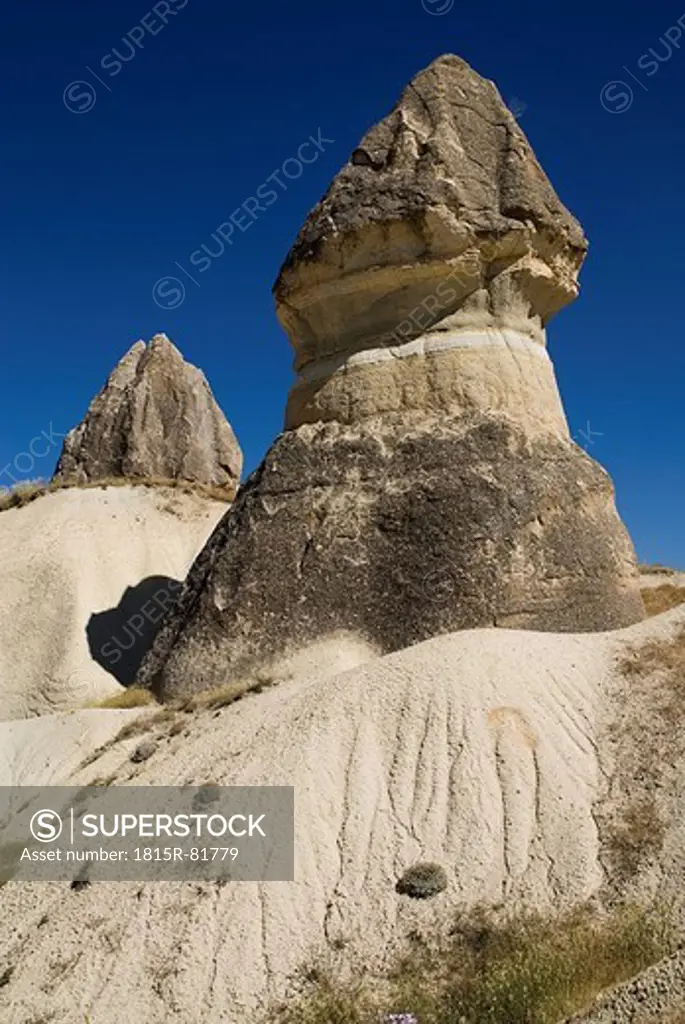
[79, 97]
[169, 292]
[616, 97]
[440, 585]
[437, 7]
[46, 826]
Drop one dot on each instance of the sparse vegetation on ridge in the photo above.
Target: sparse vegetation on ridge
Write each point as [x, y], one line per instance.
[662, 598]
[24, 493]
[647, 739]
[657, 569]
[173, 714]
[522, 970]
[663, 656]
[637, 837]
[134, 697]
[222, 696]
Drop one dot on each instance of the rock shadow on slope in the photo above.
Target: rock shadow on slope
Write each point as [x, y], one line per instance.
[119, 637]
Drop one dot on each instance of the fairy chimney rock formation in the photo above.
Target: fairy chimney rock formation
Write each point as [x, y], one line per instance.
[156, 418]
[425, 277]
[426, 481]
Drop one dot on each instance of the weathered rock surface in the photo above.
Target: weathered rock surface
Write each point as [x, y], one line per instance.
[155, 418]
[442, 223]
[379, 538]
[426, 481]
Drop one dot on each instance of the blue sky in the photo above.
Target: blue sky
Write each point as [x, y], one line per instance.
[103, 200]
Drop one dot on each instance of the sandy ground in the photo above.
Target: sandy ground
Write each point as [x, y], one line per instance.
[45, 751]
[69, 556]
[479, 751]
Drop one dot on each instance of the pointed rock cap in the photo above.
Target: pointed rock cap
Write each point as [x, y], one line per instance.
[447, 182]
[156, 418]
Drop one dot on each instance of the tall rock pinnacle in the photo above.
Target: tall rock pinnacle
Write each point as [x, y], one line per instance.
[442, 227]
[156, 418]
[426, 481]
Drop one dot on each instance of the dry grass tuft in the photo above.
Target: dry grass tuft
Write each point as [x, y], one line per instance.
[521, 970]
[223, 696]
[637, 836]
[161, 717]
[211, 700]
[178, 727]
[662, 598]
[21, 494]
[144, 724]
[103, 781]
[135, 697]
[138, 727]
[135, 728]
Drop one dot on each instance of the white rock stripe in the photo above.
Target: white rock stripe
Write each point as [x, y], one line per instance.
[427, 344]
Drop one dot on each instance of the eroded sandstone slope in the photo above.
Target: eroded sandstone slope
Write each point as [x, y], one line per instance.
[77, 566]
[507, 757]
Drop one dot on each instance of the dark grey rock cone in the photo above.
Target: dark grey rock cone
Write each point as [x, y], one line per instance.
[156, 418]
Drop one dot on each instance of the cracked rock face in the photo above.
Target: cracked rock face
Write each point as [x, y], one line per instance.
[156, 418]
[426, 481]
